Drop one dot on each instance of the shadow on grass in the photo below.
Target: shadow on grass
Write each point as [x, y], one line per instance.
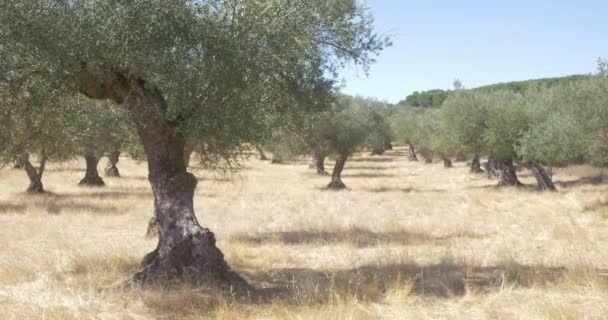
[371, 159]
[107, 195]
[366, 175]
[7, 208]
[371, 283]
[404, 190]
[310, 287]
[594, 181]
[356, 236]
[364, 167]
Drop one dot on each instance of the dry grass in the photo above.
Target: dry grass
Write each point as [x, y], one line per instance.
[409, 240]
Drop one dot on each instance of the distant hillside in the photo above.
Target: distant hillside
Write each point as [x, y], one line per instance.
[435, 98]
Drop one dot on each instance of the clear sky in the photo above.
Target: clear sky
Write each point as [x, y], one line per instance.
[480, 42]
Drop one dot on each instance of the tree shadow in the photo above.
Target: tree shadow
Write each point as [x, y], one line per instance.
[404, 190]
[357, 236]
[101, 195]
[593, 180]
[376, 168]
[371, 283]
[366, 175]
[6, 208]
[371, 159]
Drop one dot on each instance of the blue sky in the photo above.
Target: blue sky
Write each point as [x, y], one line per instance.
[480, 42]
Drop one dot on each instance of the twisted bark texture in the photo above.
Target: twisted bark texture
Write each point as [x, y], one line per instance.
[111, 168]
[336, 176]
[186, 251]
[507, 175]
[447, 163]
[319, 164]
[412, 153]
[476, 165]
[91, 177]
[35, 176]
[543, 179]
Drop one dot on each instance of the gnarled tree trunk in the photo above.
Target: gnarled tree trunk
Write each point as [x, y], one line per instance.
[387, 144]
[543, 179]
[491, 168]
[412, 153]
[111, 168]
[506, 174]
[476, 165]
[186, 251]
[35, 176]
[336, 175]
[91, 177]
[319, 163]
[263, 156]
[447, 163]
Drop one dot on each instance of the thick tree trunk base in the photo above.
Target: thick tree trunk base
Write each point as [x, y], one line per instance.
[447, 163]
[476, 165]
[507, 174]
[112, 172]
[412, 153]
[543, 179]
[492, 169]
[92, 182]
[194, 261]
[322, 172]
[35, 187]
[336, 184]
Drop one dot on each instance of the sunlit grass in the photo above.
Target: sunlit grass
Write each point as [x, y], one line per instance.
[408, 240]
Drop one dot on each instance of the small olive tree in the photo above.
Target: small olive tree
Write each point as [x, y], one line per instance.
[346, 131]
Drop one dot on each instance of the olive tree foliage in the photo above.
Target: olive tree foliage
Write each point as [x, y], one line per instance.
[208, 71]
[99, 129]
[33, 121]
[574, 129]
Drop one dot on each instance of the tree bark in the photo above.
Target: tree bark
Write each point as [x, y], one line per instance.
[447, 163]
[111, 168]
[91, 177]
[412, 153]
[186, 251]
[543, 179]
[336, 176]
[476, 165]
[387, 144]
[35, 176]
[319, 162]
[188, 151]
[376, 151]
[506, 174]
[263, 156]
[491, 168]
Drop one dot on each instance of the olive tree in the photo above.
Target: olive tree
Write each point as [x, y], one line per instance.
[573, 130]
[99, 129]
[33, 119]
[463, 117]
[208, 69]
[346, 131]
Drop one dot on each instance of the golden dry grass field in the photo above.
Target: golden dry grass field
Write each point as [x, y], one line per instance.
[408, 241]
